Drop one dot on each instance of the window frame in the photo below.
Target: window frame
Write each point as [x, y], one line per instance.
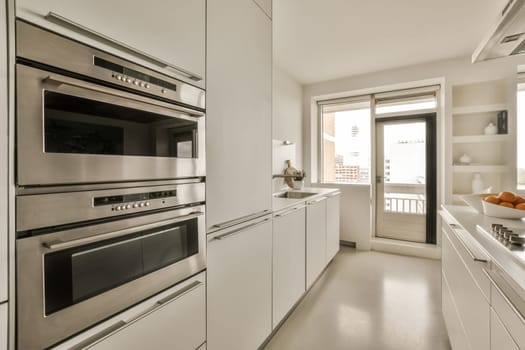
[320, 137]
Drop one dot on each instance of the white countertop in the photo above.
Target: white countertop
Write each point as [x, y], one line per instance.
[467, 218]
[285, 203]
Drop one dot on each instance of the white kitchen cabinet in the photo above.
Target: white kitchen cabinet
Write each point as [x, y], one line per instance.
[332, 225]
[289, 245]
[171, 31]
[172, 319]
[3, 326]
[177, 324]
[3, 157]
[456, 332]
[468, 299]
[239, 295]
[315, 239]
[500, 338]
[239, 82]
[508, 314]
[266, 6]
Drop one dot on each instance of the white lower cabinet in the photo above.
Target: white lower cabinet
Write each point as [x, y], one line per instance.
[509, 315]
[239, 296]
[3, 326]
[332, 225]
[177, 324]
[470, 303]
[172, 319]
[289, 245]
[456, 333]
[500, 338]
[315, 239]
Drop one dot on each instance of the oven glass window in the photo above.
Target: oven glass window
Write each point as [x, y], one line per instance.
[76, 274]
[79, 125]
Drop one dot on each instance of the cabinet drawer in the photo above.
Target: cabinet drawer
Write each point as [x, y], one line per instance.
[500, 338]
[510, 317]
[179, 324]
[456, 333]
[472, 306]
[466, 247]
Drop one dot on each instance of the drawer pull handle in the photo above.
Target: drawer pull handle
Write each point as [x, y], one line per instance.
[460, 235]
[241, 219]
[280, 215]
[239, 230]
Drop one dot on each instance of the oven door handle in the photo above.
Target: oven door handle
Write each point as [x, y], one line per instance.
[114, 234]
[83, 85]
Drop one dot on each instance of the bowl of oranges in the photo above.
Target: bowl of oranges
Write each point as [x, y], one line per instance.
[506, 205]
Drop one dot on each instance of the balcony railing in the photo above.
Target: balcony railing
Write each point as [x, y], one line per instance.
[405, 199]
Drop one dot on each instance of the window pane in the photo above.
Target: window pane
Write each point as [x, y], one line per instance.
[346, 143]
[521, 138]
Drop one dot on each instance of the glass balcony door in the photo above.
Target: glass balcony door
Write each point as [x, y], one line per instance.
[403, 167]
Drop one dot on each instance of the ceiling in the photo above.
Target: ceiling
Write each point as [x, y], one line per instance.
[319, 40]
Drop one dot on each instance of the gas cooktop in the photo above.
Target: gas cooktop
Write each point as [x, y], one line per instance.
[512, 238]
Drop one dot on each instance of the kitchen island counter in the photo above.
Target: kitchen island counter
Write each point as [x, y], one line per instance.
[478, 226]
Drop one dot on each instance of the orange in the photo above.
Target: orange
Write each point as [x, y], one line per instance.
[507, 204]
[520, 206]
[492, 199]
[518, 200]
[507, 197]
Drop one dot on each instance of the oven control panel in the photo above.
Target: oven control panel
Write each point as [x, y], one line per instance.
[133, 200]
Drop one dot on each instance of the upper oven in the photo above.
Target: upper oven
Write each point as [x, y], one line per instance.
[84, 116]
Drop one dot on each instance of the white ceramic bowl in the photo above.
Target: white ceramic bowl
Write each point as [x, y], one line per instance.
[499, 211]
[474, 200]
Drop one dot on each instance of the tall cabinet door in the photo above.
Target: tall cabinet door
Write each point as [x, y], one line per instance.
[332, 226]
[315, 240]
[238, 110]
[3, 158]
[172, 31]
[239, 279]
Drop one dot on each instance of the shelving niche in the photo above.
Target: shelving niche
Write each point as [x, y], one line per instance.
[474, 106]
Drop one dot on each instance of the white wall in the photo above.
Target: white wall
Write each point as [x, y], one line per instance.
[287, 122]
[287, 116]
[355, 205]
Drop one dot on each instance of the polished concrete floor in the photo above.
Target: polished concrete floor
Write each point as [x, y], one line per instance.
[369, 300]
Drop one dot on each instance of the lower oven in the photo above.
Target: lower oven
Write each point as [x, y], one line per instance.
[73, 275]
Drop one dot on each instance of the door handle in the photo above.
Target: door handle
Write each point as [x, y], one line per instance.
[239, 230]
[56, 80]
[379, 178]
[114, 234]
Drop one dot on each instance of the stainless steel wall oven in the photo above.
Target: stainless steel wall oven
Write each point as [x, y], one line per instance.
[84, 256]
[84, 116]
[110, 169]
